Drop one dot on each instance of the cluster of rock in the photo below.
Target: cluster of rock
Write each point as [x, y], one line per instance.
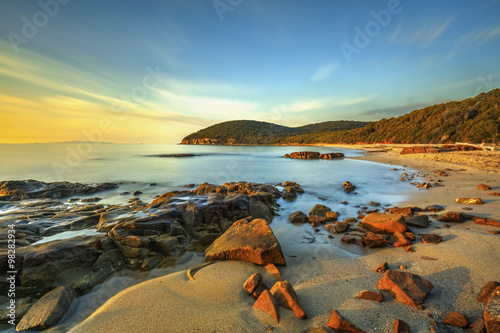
[291, 190]
[177, 155]
[313, 155]
[132, 236]
[268, 300]
[13, 190]
[436, 150]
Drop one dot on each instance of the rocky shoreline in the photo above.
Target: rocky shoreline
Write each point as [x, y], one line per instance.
[221, 220]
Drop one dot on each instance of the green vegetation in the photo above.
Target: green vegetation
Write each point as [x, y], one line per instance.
[473, 120]
[259, 132]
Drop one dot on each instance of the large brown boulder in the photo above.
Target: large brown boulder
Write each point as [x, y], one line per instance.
[381, 223]
[48, 310]
[285, 295]
[492, 312]
[408, 288]
[245, 240]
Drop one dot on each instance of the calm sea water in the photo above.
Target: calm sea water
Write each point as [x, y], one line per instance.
[135, 166]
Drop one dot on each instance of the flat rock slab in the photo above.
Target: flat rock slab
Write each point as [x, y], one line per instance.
[431, 239]
[370, 296]
[456, 319]
[470, 201]
[407, 288]
[381, 223]
[252, 241]
[48, 310]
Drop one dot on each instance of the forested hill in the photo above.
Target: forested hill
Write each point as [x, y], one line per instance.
[474, 120]
[260, 132]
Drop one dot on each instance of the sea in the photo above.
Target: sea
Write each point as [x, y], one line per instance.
[139, 167]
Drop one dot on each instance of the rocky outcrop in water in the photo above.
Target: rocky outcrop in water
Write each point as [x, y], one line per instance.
[313, 155]
[12, 190]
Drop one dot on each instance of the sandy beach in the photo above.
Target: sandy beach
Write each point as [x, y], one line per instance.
[329, 275]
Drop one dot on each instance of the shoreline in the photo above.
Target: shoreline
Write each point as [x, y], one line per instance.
[215, 300]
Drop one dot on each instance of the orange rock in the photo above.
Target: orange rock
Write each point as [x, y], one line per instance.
[382, 268]
[477, 326]
[285, 296]
[339, 324]
[494, 194]
[491, 222]
[384, 223]
[405, 211]
[252, 282]
[487, 291]
[451, 217]
[247, 241]
[401, 326]
[483, 187]
[370, 295]
[492, 312]
[407, 288]
[399, 240]
[274, 272]
[267, 303]
[469, 201]
[409, 249]
[456, 319]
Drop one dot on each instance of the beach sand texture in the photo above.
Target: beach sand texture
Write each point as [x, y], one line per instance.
[327, 276]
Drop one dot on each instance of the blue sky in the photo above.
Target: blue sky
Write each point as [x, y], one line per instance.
[156, 71]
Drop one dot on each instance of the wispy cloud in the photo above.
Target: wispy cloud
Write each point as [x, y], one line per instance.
[431, 30]
[324, 72]
[479, 36]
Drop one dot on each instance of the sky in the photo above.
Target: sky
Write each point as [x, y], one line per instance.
[155, 71]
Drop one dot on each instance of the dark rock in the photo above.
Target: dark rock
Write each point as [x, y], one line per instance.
[456, 319]
[490, 222]
[342, 227]
[319, 210]
[373, 240]
[401, 326]
[348, 239]
[434, 208]
[370, 295]
[419, 221]
[31, 189]
[437, 327]
[48, 310]
[431, 239]
[451, 217]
